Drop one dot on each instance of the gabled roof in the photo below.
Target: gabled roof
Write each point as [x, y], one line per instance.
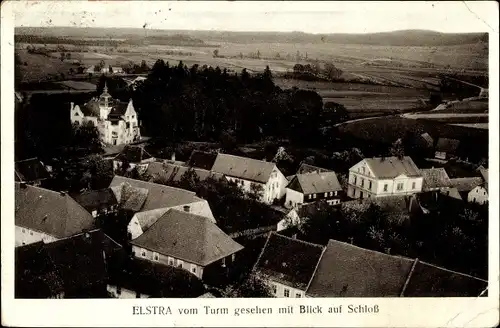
[466, 184]
[50, 212]
[306, 168]
[313, 183]
[30, 170]
[484, 174]
[173, 172]
[346, 270]
[427, 280]
[243, 167]
[155, 195]
[447, 145]
[96, 199]
[201, 159]
[119, 109]
[288, 261]
[435, 178]
[428, 139]
[133, 154]
[155, 279]
[188, 237]
[69, 265]
[391, 167]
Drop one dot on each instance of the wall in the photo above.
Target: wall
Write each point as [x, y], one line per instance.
[146, 254]
[294, 197]
[280, 290]
[25, 236]
[478, 195]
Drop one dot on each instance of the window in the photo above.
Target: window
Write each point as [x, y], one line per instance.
[363, 170]
[358, 169]
[290, 203]
[94, 213]
[297, 295]
[355, 179]
[413, 185]
[286, 292]
[326, 194]
[128, 125]
[385, 187]
[24, 230]
[314, 196]
[76, 114]
[137, 295]
[179, 264]
[31, 233]
[223, 262]
[143, 254]
[362, 182]
[399, 186]
[171, 261]
[193, 268]
[133, 116]
[156, 257]
[370, 185]
[310, 196]
[274, 288]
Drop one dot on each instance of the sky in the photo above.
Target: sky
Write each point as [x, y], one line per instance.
[306, 16]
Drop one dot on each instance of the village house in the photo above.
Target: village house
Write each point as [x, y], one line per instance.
[465, 185]
[479, 194]
[346, 270]
[446, 147]
[435, 179]
[136, 278]
[116, 121]
[173, 172]
[250, 173]
[31, 171]
[98, 202]
[379, 177]
[187, 241]
[287, 265]
[132, 156]
[148, 201]
[74, 267]
[46, 215]
[312, 187]
[104, 70]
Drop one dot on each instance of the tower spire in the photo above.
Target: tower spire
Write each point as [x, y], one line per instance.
[105, 87]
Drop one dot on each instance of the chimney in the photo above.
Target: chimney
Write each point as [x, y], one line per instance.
[351, 240]
[186, 208]
[173, 157]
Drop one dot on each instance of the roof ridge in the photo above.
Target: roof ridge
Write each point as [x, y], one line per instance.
[453, 271]
[371, 250]
[246, 158]
[157, 184]
[299, 240]
[315, 269]
[262, 251]
[27, 159]
[407, 281]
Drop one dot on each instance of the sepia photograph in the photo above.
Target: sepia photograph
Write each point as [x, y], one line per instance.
[168, 150]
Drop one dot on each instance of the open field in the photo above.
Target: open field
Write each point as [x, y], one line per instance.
[477, 106]
[483, 126]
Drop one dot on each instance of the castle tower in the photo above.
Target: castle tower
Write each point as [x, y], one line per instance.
[105, 103]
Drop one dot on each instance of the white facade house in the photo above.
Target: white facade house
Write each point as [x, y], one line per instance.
[378, 177]
[312, 187]
[478, 195]
[46, 215]
[116, 121]
[246, 172]
[287, 265]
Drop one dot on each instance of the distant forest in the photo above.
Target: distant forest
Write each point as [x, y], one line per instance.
[397, 38]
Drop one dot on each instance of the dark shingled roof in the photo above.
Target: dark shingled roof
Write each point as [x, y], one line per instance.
[155, 279]
[91, 108]
[133, 154]
[173, 172]
[447, 145]
[391, 167]
[243, 168]
[202, 160]
[306, 168]
[119, 109]
[96, 199]
[427, 280]
[466, 184]
[313, 183]
[157, 195]
[435, 178]
[188, 237]
[30, 170]
[54, 213]
[346, 270]
[484, 174]
[69, 265]
[289, 261]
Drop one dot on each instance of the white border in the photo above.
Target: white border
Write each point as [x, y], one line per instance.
[394, 312]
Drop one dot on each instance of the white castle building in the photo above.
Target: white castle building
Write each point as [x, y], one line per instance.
[116, 121]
